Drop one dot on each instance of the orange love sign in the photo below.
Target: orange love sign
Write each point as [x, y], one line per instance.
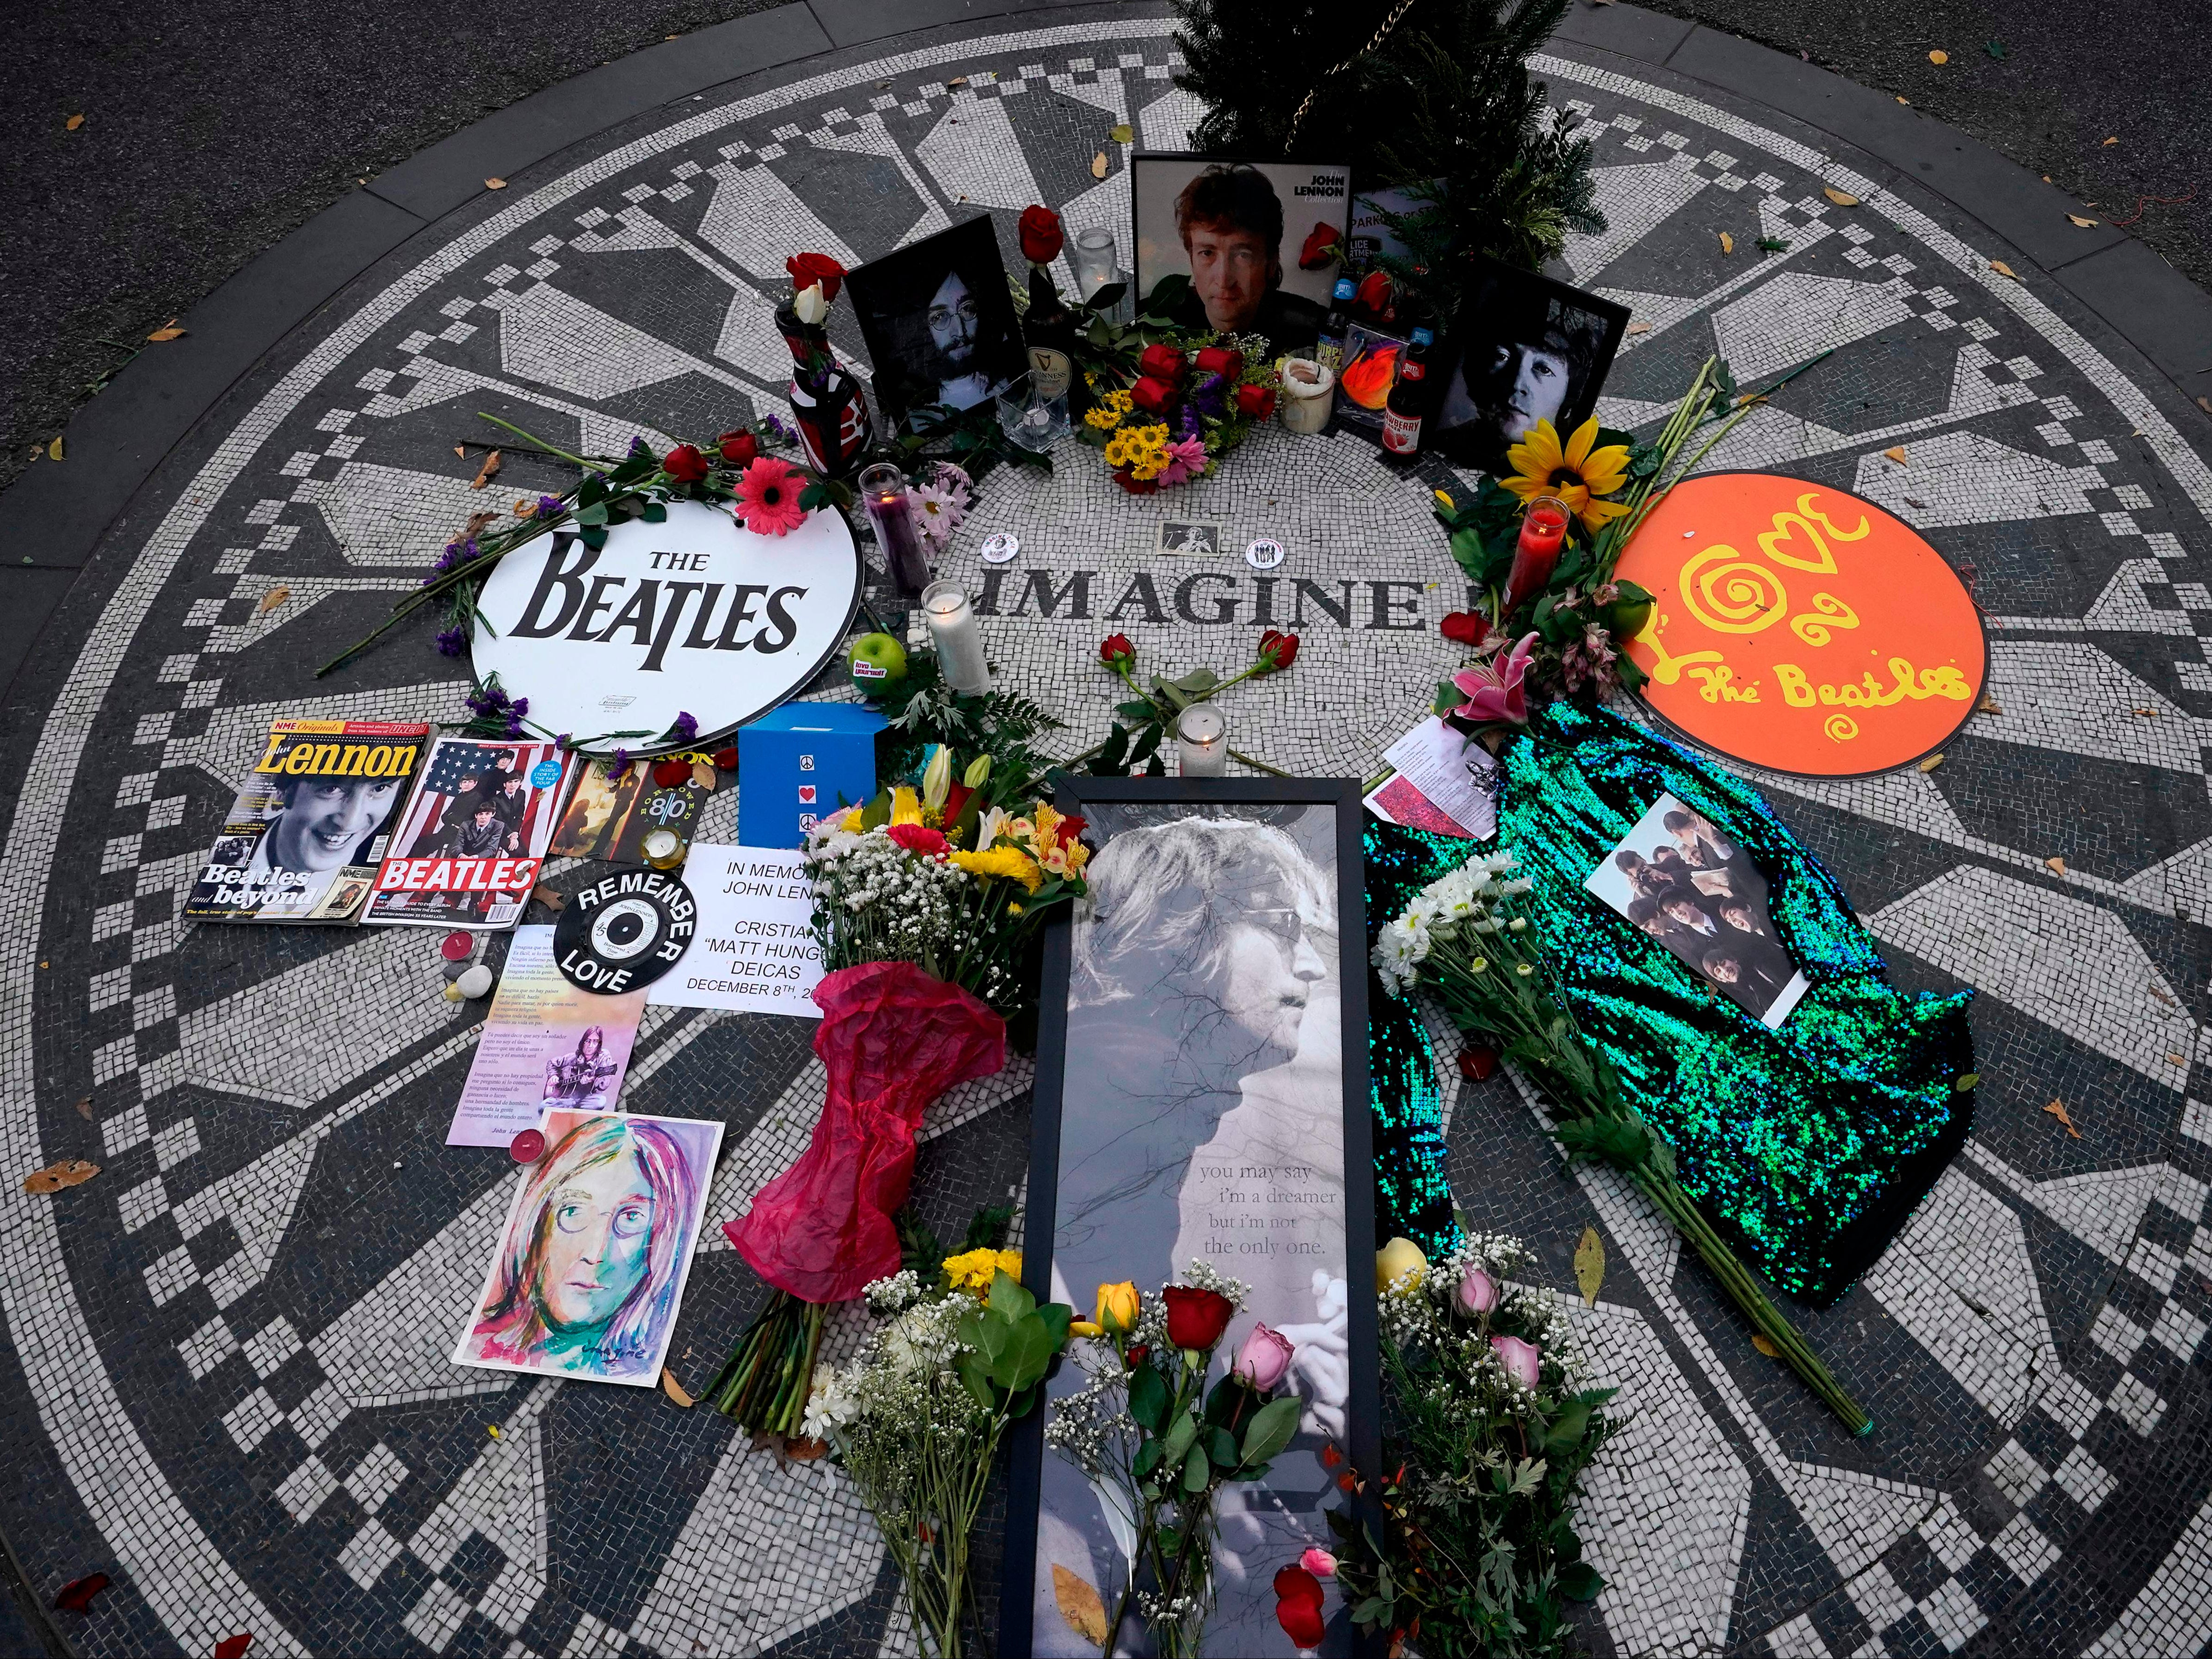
[1799, 628]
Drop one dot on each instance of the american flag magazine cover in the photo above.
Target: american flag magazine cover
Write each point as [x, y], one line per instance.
[475, 835]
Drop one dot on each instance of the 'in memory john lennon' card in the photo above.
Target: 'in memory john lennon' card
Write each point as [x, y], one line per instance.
[755, 949]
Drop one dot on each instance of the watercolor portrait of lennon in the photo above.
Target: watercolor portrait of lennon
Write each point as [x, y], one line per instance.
[592, 1264]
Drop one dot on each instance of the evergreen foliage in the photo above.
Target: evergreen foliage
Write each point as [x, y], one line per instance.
[1443, 106]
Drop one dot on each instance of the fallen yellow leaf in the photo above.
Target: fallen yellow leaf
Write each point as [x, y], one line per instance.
[275, 597]
[1765, 1344]
[492, 1429]
[54, 449]
[1840, 198]
[168, 330]
[71, 1172]
[1896, 454]
[2003, 269]
[1907, 102]
[2056, 867]
[674, 1390]
[485, 473]
[1589, 1266]
[1122, 134]
[1939, 57]
[495, 184]
[524, 509]
[2108, 141]
[1931, 763]
[1080, 1605]
[2058, 1109]
[73, 123]
[2079, 220]
[1728, 243]
[1099, 171]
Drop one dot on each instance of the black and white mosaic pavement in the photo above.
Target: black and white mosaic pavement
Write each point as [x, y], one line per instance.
[228, 1387]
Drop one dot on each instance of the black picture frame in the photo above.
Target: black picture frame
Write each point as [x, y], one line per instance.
[1095, 797]
[1307, 193]
[891, 297]
[1506, 309]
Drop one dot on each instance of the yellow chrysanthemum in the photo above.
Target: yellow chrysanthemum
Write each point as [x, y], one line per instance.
[973, 1270]
[1576, 473]
[1010, 862]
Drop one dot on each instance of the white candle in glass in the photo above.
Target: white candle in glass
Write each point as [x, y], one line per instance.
[958, 637]
[1202, 736]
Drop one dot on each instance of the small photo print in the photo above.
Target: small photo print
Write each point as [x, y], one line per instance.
[1369, 370]
[1681, 880]
[1190, 538]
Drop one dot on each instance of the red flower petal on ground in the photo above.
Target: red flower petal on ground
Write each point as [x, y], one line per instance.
[1465, 627]
[76, 1597]
[727, 759]
[922, 842]
[1477, 1062]
[234, 1647]
[669, 773]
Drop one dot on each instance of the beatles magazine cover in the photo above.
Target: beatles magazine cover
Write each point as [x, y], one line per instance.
[310, 822]
[469, 849]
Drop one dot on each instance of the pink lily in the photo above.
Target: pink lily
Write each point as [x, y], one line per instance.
[1494, 689]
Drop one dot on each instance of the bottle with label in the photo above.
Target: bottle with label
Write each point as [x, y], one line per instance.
[1328, 351]
[1409, 396]
[1048, 330]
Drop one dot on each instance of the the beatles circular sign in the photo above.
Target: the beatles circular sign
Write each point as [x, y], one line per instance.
[1799, 628]
[695, 615]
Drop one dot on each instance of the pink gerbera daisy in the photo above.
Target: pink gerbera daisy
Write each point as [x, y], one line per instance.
[1185, 459]
[768, 497]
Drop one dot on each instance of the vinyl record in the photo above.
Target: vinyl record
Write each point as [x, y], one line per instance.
[624, 931]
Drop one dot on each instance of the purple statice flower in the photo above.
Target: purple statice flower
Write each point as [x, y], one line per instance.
[551, 506]
[639, 446]
[453, 642]
[619, 767]
[1185, 421]
[774, 423]
[520, 707]
[686, 726]
[1210, 397]
[567, 740]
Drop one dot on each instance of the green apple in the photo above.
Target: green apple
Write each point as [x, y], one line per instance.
[876, 660]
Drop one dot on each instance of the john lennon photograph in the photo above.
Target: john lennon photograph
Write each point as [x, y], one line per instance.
[1202, 1117]
[940, 323]
[1686, 885]
[1527, 350]
[1247, 237]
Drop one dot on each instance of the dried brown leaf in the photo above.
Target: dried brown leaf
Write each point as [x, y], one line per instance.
[486, 472]
[1640, 328]
[1939, 57]
[73, 123]
[2157, 991]
[1896, 454]
[1765, 1344]
[1931, 763]
[2058, 1109]
[2177, 1060]
[1840, 198]
[1590, 1266]
[2204, 403]
[495, 184]
[1080, 1605]
[803, 1450]
[2056, 867]
[2109, 141]
[957, 81]
[70, 1172]
[477, 521]
[524, 507]
[674, 1389]
[275, 597]
[1988, 705]
[546, 897]
[84, 1106]
[1728, 243]
[703, 774]
[1098, 168]
[2003, 269]
[1907, 102]
[2079, 220]
[168, 330]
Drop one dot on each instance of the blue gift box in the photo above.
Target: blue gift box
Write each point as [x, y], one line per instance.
[800, 763]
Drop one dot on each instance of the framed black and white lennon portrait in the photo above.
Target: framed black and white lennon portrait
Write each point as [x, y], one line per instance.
[1201, 1094]
[1525, 348]
[939, 324]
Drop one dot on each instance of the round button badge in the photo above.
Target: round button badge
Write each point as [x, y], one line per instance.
[1264, 554]
[527, 1147]
[1000, 547]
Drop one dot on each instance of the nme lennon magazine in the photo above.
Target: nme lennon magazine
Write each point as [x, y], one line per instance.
[311, 822]
[468, 851]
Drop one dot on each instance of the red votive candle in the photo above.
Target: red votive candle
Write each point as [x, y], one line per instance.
[1543, 538]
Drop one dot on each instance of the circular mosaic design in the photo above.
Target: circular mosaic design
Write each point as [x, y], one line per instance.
[230, 1386]
[1780, 635]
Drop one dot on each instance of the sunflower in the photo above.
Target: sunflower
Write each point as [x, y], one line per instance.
[1577, 475]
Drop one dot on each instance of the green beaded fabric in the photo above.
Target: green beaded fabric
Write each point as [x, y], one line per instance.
[1412, 1199]
[1808, 1146]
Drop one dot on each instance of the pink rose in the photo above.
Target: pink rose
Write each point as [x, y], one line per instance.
[1521, 1359]
[1264, 1359]
[1478, 1292]
[1494, 689]
[1319, 1562]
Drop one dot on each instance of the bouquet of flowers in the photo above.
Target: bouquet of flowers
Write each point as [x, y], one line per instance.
[1460, 936]
[1491, 1433]
[1194, 397]
[917, 1416]
[1158, 1443]
[925, 904]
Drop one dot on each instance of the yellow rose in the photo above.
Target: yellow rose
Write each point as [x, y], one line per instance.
[1397, 1259]
[1118, 1307]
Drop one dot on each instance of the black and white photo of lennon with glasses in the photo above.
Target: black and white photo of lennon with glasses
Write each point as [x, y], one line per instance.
[940, 323]
[1202, 1117]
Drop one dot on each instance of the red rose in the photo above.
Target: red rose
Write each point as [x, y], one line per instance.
[1115, 651]
[1376, 292]
[923, 843]
[1041, 235]
[668, 774]
[808, 269]
[1297, 1606]
[1277, 651]
[1220, 360]
[727, 759]
[1316, 253]
[738, 448]
[1134, 485]
[955, 799]
[1197, 1318]
[1477, 1062]
[1466, 628]
[1069, 828]
[1162, 363]
[684, 464]
[1136, 1356]
[1154, 397]
[1257, 401]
